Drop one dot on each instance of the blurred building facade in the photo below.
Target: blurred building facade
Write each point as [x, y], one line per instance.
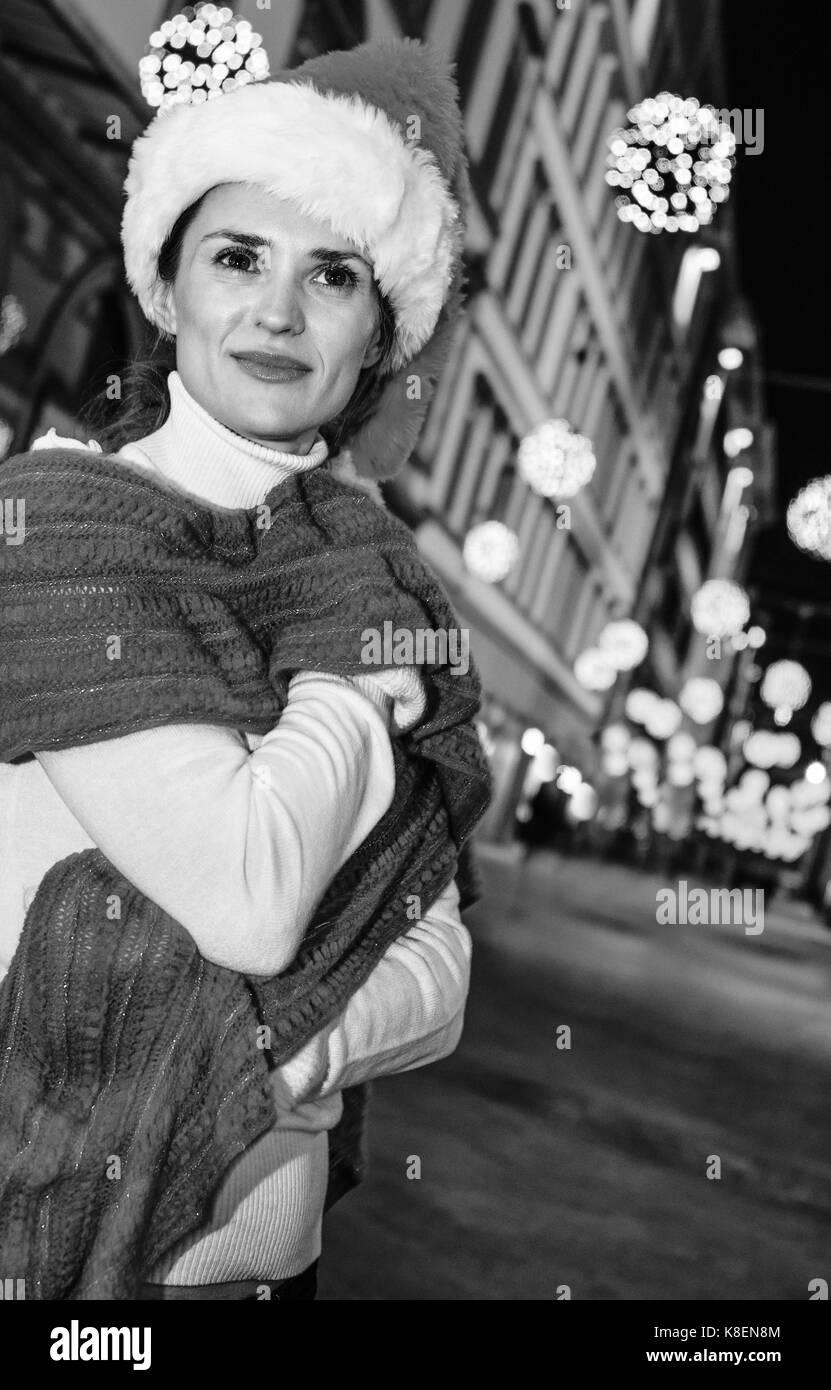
[572, 313]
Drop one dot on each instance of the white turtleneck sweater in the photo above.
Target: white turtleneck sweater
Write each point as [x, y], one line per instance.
[237, 836]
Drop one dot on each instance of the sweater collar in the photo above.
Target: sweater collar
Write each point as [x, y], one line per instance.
[212, 462]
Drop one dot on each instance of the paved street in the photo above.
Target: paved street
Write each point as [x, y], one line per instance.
[543, 1167]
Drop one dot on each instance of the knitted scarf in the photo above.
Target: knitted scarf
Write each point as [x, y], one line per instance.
[133, 1071]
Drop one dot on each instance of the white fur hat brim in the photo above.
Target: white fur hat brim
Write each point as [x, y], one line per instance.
[337, 157]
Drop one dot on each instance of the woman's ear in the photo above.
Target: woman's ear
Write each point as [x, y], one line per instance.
[373, 352]
[164, 307]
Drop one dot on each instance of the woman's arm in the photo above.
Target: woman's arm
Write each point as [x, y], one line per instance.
[238, 847]
[409, 1012]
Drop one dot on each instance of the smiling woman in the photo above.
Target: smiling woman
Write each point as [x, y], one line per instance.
[235, 301]
[225, 765]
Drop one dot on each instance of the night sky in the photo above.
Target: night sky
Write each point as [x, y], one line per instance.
[778, 57]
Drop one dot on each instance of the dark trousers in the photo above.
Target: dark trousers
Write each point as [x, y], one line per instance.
[302, 1285]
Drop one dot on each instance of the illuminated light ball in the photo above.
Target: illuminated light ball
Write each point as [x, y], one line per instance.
[786, 683]
[710, 763]
[644, 777]
[639, 704]
[755, 782]
[642, 754]
[788, 750]
[720, 608]
[615, 738]
[594, 670]
[809, 518]
[680, 774]
[184, 47]
[804, 793]
[648, 797]
[568, 778]
[615, 764]
[756, 636]
[761, 748]
[815, 772]
[739, 641]
[811, 820]
[554, 460]
[821, 725]
[713, 805]
[681, 747]
[778, 804]
[742, 476]
[701, 699]
[532, 741]
[782, 714]
[490, 551]
[624, 642]
[730, 358]
[674, 154]
[583, 803]
[737, 440]
[663, 719]
[544, 765]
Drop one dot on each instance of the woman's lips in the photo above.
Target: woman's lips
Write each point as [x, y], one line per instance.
[270, 371]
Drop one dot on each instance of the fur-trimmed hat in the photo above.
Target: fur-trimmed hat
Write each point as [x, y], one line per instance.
[368, 140]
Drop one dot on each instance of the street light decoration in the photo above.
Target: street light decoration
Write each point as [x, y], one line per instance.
[594, 670]
[809, 518]
[720, 608]
[625, 643]
[702, 699]
[674, 163]
[821, 726]
[490, 551]
[200, 53]
[554, 460]
[785, 684]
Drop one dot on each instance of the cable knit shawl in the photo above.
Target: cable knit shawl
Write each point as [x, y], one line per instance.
[132, 1071]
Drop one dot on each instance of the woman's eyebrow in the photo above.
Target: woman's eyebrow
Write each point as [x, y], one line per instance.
[318, 253]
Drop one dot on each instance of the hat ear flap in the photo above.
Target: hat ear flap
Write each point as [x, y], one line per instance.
[383, 444]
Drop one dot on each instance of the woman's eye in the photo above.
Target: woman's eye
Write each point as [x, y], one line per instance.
[231, 257]
[349, 281]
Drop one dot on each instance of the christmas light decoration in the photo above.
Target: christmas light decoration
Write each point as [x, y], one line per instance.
[554, 460]
[710, 764]
[756, 637]
[674, 163]
[568, 779]
[809, 518]
[815, 772]
[765, 748]
[615, 764]
[625, 643]
[702, 699]
[787, 684]
[639, 703]
[594, 670]
[490, 551]
[615, 738]
[719, 608]
[730, 358]
[642, 754]
[736, 441]
[821, 726]
[662, 719]
[532, 741]
[200, 53]
[681, 747]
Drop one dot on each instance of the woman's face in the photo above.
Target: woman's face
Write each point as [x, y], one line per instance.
[258, 279]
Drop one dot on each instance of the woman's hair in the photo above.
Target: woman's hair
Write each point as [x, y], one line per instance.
[145, 401]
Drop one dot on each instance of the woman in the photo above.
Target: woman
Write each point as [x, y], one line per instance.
[280, 328]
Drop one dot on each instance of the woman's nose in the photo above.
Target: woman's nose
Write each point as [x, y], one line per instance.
[279, 308]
